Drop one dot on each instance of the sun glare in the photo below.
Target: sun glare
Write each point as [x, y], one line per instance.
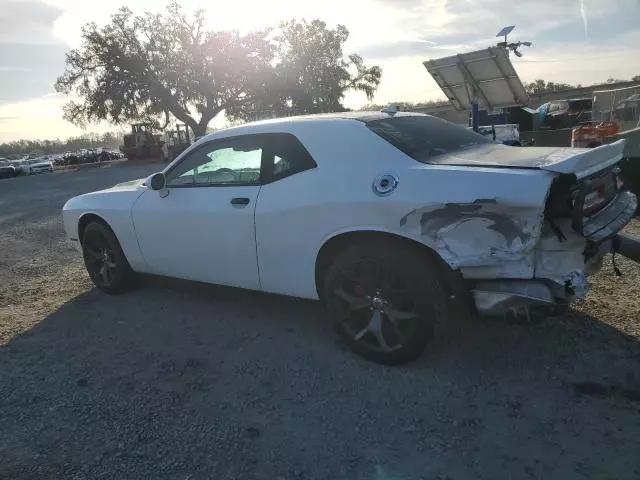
[244, 15]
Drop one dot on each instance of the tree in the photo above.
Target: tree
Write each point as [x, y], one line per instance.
[409, 106]
[540, 86]
[312, 74]
[151, 66]
[635, 78]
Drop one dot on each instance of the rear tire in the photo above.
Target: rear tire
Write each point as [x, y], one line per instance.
[104, 259]
[385, 300]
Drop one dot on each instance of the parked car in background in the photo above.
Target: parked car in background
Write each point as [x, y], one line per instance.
[90, 156]
[565, 113]
[36, 165]
[7, 170]
[57, 159]
[387, 218]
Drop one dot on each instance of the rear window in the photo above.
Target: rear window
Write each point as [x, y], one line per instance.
[425, 137]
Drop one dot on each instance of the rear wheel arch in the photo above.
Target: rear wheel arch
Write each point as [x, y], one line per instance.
[339, 242]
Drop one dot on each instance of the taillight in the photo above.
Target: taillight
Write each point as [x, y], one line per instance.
[594, 198]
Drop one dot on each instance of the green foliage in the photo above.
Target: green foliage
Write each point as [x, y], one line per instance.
[408, 106]
[23, 147]
[153, 66]
[311, 73]
[147, 67]
[540, 86]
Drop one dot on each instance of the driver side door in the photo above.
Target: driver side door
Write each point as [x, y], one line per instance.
[201, 226]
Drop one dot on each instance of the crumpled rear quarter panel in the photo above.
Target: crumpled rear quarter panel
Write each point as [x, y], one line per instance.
[480, 217]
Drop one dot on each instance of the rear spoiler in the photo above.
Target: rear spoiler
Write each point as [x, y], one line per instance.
[585, 162]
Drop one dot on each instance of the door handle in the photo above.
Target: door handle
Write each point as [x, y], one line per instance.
[240, 201]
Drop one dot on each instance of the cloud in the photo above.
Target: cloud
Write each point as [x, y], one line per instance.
[27, 21]
[404, 48]
[29, 70]
[398, 35]
[466, 21]
[30, 56]
[405, 78]
[585, 20]
[583, 64]
[39, 118]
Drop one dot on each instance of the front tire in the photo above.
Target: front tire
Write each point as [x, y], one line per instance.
[104, 259]
[385, 300]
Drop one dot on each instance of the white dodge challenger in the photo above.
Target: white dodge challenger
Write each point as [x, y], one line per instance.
[387, 218]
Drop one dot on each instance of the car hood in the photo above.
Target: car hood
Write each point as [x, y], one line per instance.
[579, 161]
[118, 197]
[130, 185]
[40, 164]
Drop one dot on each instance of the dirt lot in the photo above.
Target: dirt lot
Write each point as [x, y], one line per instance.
[185, 381]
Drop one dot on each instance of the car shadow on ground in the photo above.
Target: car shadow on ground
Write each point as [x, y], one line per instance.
[184, 380]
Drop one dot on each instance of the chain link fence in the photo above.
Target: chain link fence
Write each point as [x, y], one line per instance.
[620, 105]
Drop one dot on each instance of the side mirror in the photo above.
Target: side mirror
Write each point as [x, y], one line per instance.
[157, 181]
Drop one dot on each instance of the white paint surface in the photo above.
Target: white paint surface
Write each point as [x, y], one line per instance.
[272, 244]
[196, 233]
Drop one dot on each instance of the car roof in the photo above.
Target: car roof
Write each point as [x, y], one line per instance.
[361, 116]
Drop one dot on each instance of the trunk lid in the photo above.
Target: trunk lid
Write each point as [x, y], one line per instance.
[582, 162]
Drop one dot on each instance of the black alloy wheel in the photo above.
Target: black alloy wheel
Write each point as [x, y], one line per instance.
[103, 257]
[384, 301]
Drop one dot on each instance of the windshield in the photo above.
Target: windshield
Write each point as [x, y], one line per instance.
[423, 137]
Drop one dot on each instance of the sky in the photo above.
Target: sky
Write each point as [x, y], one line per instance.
[574, 41]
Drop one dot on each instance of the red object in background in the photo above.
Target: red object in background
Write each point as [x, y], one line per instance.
[588, 136]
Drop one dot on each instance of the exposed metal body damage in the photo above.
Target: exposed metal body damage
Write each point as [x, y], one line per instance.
[482, 233]
[516, 257]
[499, 216]
[515, 297]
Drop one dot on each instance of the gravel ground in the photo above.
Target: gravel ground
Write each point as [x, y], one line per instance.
[184, 381]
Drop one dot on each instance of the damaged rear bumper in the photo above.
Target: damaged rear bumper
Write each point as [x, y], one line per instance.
[600, 235]
[500, 297]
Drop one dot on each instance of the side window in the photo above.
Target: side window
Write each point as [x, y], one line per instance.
[233, 162]
[287, 156]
